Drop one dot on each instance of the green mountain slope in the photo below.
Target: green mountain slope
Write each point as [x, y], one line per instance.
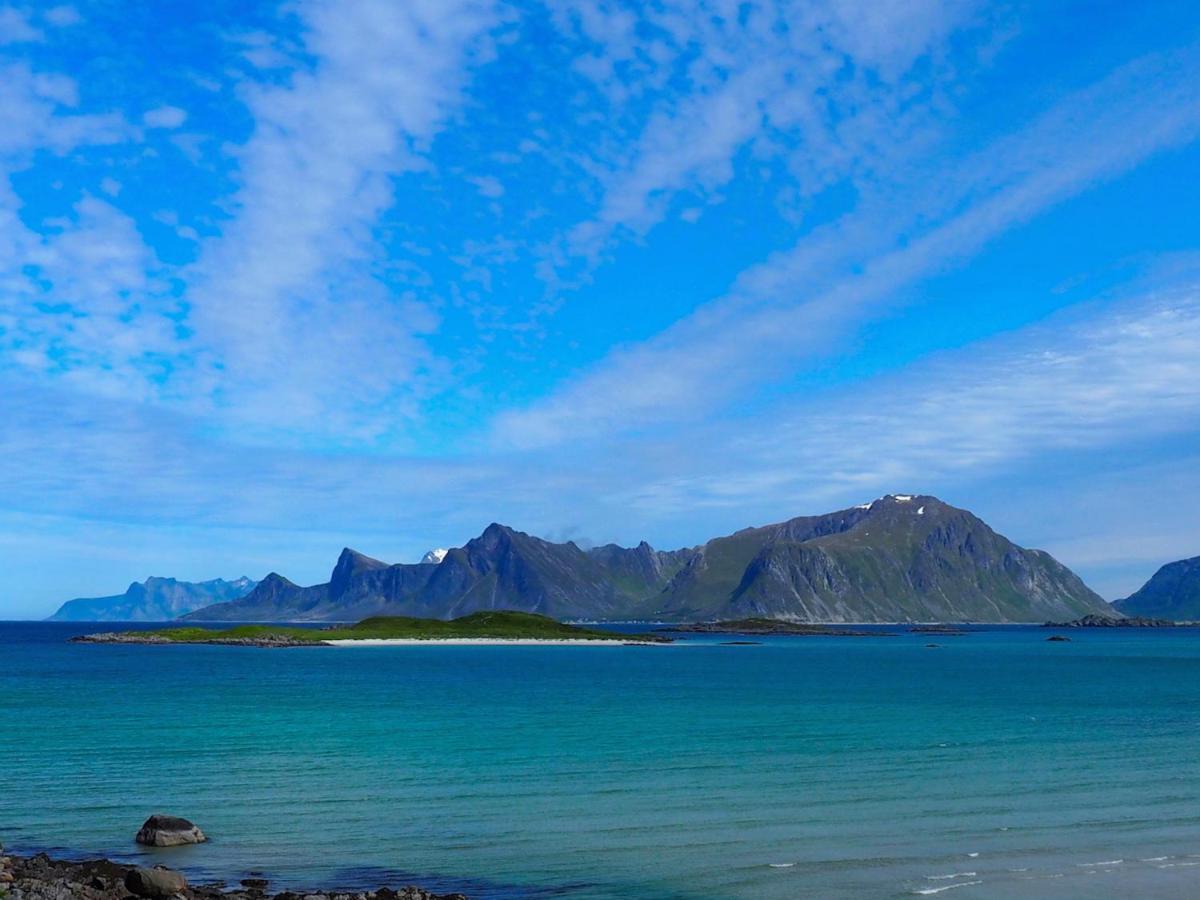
[900, 558]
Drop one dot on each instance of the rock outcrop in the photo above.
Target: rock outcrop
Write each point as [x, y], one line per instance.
[42, 878]
[169, 831]
[159, 883]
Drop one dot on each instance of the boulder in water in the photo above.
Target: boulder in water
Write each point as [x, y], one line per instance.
[169, 831]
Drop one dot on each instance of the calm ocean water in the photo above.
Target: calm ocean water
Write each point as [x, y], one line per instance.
[996, 765]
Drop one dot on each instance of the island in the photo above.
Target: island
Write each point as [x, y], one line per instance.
[1092, 621]
[500, 627]
[771, 626]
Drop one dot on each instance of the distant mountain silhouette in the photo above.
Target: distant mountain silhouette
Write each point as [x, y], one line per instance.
[153, 600]
[1172, 593]
[899, 558]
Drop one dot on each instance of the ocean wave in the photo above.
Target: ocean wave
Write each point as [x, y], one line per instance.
[945, 887]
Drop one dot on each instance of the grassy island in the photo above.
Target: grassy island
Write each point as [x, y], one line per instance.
[482, 626]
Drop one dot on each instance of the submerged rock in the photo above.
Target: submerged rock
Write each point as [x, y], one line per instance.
[1059, 638]
[169, 831]
[158, 883]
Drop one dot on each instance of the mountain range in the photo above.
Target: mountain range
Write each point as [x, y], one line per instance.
[898, 558]
[153, 600]
[1173, 592]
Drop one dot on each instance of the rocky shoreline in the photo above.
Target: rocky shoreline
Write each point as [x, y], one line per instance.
[770, 626]
[40, 877]
[134, 637]
[1113, 622]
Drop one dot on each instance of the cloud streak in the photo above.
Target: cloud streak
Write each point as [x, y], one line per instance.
[284, 301]
[799, 303]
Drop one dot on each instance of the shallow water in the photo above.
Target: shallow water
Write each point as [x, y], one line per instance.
[995, 765]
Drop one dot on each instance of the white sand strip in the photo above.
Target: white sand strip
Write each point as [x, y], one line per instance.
[499, 642]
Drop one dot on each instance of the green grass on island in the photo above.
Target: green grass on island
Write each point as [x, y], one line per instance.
[502, 625]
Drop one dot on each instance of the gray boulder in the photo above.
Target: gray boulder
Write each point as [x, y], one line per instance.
[169, 831]
[157, 883]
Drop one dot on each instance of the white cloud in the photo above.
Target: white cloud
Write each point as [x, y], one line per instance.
[488, 186]
[284, 299]
[72, 292]
[15, 27]
[797, 304]
[825, 87]
[62, 16]
[164, 117]
[1095, 382]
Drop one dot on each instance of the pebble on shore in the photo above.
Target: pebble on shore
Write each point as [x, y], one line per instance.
[42, 878]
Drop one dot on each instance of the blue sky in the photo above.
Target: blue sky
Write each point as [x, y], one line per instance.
[279, 278]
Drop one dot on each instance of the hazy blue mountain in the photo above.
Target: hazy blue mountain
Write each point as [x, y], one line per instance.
[1172, 593]
[153, 600]
[899, 558]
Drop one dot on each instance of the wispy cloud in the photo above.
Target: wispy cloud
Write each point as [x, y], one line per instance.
[1058, 388]
[797, 304]
[829, 90]
[296, 328]
[72, 288]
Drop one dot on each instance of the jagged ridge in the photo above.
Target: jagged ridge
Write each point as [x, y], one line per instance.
[900, 558]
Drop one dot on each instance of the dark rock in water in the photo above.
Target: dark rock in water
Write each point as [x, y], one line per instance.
[169, 831]
[1059, 638]
[932, 646]
[936, 629]
[158, 883]
[741, 643]
[1092, 621]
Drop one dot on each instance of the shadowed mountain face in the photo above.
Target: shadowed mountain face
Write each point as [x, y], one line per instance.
[1172, 593]
[901, 558]
[153, 600]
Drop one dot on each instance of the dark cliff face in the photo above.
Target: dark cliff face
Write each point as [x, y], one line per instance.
[1173, 592]
[900, 558]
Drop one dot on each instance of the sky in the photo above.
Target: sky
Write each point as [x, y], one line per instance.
[279, 278]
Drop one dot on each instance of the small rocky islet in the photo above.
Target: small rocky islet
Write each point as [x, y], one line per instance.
[766, 626]
[1094, 621]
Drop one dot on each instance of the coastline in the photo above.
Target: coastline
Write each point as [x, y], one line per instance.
[494, 642]
[41, 877]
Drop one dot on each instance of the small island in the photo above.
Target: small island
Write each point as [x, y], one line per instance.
[771, 626]
[1095, 621]
[503, 627]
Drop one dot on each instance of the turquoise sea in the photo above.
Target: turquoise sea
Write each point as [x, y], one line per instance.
[994, 765]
